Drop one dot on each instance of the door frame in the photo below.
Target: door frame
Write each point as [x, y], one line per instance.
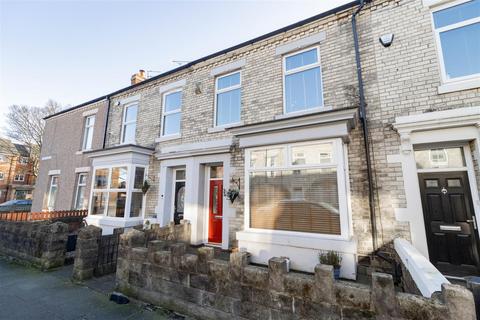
[456, 125]
[174, 184]
[475, 231]
[208, 178]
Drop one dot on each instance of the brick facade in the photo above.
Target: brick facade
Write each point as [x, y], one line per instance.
[400, 80]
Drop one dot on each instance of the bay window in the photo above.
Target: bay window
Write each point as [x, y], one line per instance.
[302, 81]
[297, 187]
[116, 191]
[457, 32]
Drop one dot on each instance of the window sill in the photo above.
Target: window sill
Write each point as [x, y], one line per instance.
[168, 138]
[301, 113]
[224, 127]
[459, 85]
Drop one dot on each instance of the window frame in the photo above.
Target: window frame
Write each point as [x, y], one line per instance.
[52, 177]
[2, 175]
[77, 188]
[3, 157]
[128, 190]
[285, 73]
[339, 161]
[17, 176]
[86, 128]
[217, 92]
[164, 113]
[126, 123]
[438, 43]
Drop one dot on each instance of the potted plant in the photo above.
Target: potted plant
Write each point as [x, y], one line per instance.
[145, 186]
[332, 258]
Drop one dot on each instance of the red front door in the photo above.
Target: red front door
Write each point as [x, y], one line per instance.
[215, 211]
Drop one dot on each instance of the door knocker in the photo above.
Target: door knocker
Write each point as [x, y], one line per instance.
[444, 191]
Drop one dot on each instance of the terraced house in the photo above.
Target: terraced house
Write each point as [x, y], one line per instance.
[262, 145]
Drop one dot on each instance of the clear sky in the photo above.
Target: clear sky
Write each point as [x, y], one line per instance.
[75, 51]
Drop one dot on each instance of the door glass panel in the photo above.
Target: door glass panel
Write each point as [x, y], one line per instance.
[440, 158]
[454, 183]
[214, 200]
[431, 183]
[180, 199]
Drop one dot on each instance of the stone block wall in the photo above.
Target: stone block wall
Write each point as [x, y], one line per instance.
[89, 243]
[198, 285]
[41, 243]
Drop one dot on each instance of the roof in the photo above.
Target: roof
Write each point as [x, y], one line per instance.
[9, 147]
[216, 54]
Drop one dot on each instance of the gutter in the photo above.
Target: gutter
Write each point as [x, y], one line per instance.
[106, 122]
[363, 119]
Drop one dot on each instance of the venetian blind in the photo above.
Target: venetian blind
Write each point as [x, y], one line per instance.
[303, 200]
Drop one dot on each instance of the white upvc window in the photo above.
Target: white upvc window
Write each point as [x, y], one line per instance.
[52, 193]
[228, 96]
[172, 112]
[88, 132]
[129, 123]
[297, 189]
[79, 203]
[457, 34]
[2, 158]
[302, 81]
[117, 191]
[2, 176]
[20, 177]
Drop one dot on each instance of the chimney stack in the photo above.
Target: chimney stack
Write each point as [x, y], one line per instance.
[138, 77]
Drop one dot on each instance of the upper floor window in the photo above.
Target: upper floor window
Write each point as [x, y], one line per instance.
[23, 160]
[172, 113]
[457, 32]
[228, 99]
[19, 177]
[2, 158]
[88, 133]
[129, 124]
[302, 81]
[2, 176]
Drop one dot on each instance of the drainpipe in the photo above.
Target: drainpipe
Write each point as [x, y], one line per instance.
[363, 119]
[106, 122]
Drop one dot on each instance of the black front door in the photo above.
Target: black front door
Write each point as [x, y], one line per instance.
[448, 213]
[179, 202]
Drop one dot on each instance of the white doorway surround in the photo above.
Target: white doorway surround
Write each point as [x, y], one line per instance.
[196, 159]
[459, 126]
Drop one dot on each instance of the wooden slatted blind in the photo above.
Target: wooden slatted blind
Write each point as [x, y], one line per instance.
[303, 200]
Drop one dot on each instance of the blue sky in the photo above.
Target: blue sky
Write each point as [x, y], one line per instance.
[74, 51]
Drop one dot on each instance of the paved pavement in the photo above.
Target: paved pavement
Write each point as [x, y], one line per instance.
[27, 293]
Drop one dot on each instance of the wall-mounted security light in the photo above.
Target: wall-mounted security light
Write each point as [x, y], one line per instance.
[386, 39]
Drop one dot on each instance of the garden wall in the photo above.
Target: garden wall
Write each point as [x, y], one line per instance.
[41, 243]
[97, 255]
[162, 273]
